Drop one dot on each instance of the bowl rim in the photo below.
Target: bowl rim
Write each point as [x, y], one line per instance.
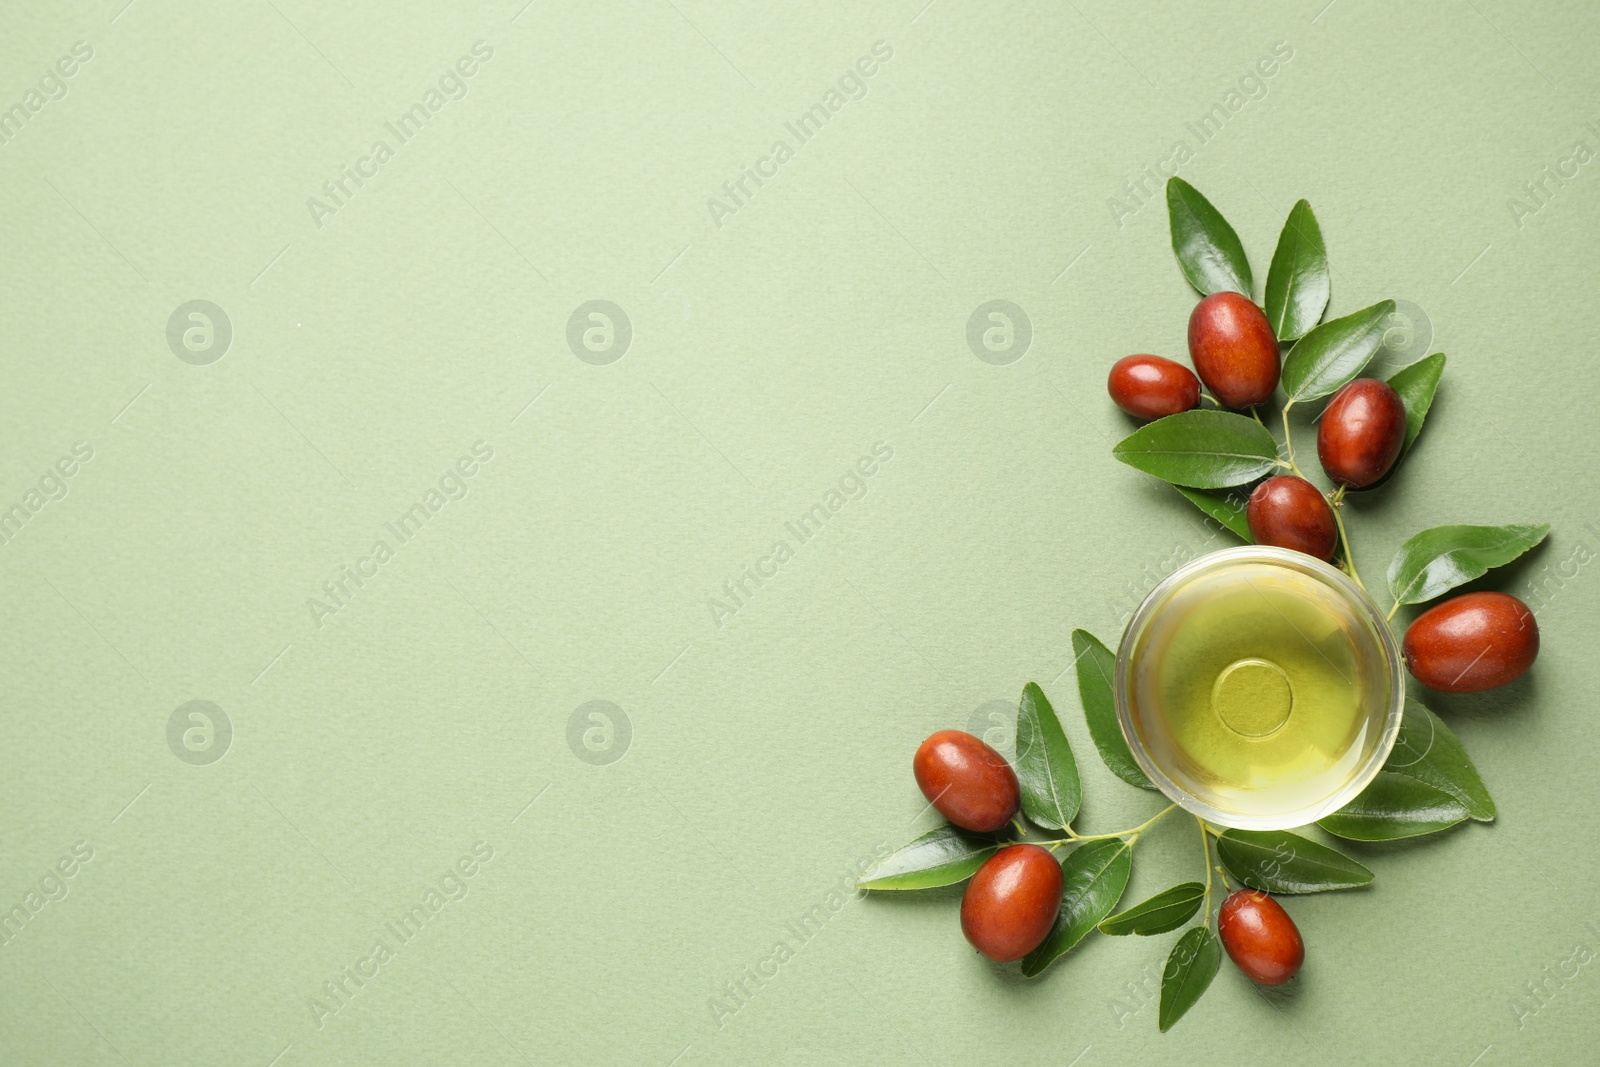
[1330, 576]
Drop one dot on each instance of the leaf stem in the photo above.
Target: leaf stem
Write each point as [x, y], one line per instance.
[1021, 829]
[1344, 539]
[1205, 850]
[1073, 837]
[1288, 439]
[1390, 617]
[1134, 832]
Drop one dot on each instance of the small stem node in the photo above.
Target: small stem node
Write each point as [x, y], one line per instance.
[1227, 883]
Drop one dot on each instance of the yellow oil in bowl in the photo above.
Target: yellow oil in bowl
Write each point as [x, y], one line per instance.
[1259, 688]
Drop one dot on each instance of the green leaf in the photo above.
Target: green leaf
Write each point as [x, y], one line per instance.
[1447, 556]
[1395, 806]
[1202, 449]
[1416, 384]
[1207, 248]
[1190, 968]
[1276, 861]
[1332, 354]
[1228, 510]
[1167, 910]
[1045, 768]
[1297, 282]
[1096, 665]
[1427, 784]
[939, 857]
[1094, 876]
[1427, 751]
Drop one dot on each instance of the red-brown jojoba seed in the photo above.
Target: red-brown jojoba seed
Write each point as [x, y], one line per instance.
[1152, 387]
[1233, 350]
[1290, 512]
[1360, 434]
[968, 782]
[1261, 939]
[1011, 903]
[1472, 642]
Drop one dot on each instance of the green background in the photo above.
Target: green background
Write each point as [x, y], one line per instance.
[772, 346]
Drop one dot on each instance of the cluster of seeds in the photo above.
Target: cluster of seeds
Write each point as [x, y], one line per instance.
[1034, 898]
[1010, 904]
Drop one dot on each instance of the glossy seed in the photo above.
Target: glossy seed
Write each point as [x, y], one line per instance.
[1261, 939]
[1011, 903]
[966, 781]
[1233, 350]
[1360, 433]
[1290, 512]
[1152, 387]
[1472, 642]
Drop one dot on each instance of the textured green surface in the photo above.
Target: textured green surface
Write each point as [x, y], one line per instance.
[996, 156]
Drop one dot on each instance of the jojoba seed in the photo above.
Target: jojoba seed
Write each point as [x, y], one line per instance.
[1011, 903]
[1361, 432]
[1261, 939]
[1472, 642]
[1290, 512]
[1234, 350]
[968, 782]
[1152, 387]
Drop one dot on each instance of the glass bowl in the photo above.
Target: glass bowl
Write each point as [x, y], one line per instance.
[1259, 688]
